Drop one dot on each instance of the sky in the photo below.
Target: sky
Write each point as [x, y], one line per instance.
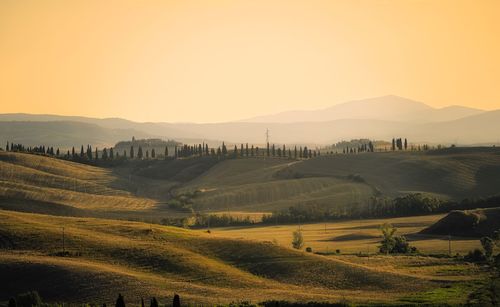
[215, 61]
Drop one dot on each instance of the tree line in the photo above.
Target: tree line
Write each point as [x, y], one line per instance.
[377, 207]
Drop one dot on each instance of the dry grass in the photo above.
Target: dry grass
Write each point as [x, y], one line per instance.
[357, 236]
[42, 179]
[162, 260]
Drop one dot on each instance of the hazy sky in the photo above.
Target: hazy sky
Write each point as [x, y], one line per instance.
[207, 61]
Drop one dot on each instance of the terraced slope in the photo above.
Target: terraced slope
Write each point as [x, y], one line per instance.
[107, 257]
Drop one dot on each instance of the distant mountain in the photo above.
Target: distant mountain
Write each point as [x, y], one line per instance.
[390, 108]
[63, 134]
[379, 118]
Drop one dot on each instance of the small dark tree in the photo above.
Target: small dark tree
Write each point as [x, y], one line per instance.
[131, 152]
[142, 302]
[177, 301]
[488, 245]
[12, 301]
[111, 154]
[139, 153]
[153, 153]
[406, 144]
[154, 302]
[120, 301]
[166, 152]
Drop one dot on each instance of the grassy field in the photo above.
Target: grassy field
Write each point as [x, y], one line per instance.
[356, 236]
[107, 257]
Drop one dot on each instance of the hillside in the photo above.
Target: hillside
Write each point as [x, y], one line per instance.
[107, 257]
[469, 223]
[40, 184]
[345, 181]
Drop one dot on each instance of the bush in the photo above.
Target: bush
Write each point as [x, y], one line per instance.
[309, 250]
[476, 255]
[29, 299]
[337, 251]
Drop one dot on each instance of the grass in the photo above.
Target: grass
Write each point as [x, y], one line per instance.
[159, 260]
[354, 236]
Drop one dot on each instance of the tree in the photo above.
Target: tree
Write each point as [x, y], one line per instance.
[393, 147]
[81, 152]
[153, 153]
[57, 152]
[142, 302]
[177, 301]
[139, 153]
[388, 242]
[154, 302]
[120, 302]
[12, 301]
[7, 147]
[105, 154]
[111, 154]
[406, 144]
[273, 150]
[166, 152]
[488, 246]
[267, 152]
[297, 240]
[131, 152]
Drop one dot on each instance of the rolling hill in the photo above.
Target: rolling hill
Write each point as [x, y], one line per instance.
[107, 257]
[41, 184]
[468, 223]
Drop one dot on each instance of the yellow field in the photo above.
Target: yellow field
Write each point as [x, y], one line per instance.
[358, 236]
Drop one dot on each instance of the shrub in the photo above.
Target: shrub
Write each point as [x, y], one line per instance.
[12, 302]
[309, 250]
[29, 299]
[337, 251]
[476, 255]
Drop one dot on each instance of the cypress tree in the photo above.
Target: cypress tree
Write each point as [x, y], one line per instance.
[104, 154]
[139, 153]
[268, 149]
[57, 152]
[97, 154]
[111, 154]
[153, 153]
[295, 152]
[132, 152]
[177, 301]
[393, 147]
[274, 151]
[406, 144]
[142, 302]
[154, 302]
[81, 152]
[124, 154]
[120, 301]
[235, 153]
[7, 148]
[166, 152]
[246, 149]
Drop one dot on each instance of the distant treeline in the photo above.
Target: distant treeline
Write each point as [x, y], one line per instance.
[137, 152]
[408, 205]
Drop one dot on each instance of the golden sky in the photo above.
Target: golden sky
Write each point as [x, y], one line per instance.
[208, 61]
